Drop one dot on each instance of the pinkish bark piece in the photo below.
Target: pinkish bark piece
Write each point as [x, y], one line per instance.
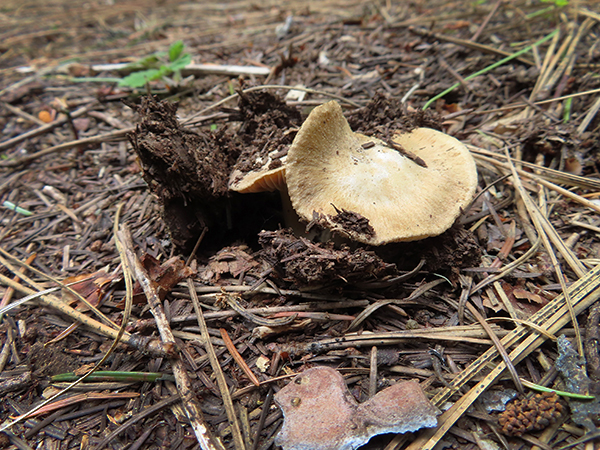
[321, 414]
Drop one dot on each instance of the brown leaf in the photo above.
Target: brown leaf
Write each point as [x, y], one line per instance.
[92, 287]
[529, 296]
[321, 414]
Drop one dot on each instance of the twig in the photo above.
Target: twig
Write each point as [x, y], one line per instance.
[69, 289]
[145, 413]
[263, 416]
[10, 291]
[373, 372]
[193, 69]
[113, 135]
[490, 67]
[23, 114]
[214, 362]
[470, 44]
[466, 334]
[232, 302]
[117, 337]
[184, 385]
[266, 87]
[589, 117]
[548, 233]
[378, 304]
[543, 175]
[42, 129]
[499, 347]
[486, 21]
[142, 343]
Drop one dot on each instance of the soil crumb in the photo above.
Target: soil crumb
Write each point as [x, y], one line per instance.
[352, 223]
[268, 129]
[448, 253]
[383, 116]
[186, 170]
[303, 263]
[176, 161]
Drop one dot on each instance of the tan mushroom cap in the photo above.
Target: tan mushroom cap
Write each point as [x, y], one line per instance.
[328, 166]
[261, 180]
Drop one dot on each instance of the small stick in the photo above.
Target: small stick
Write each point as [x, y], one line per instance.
[41, 130]
[142, 343]
[263, 417]
[467, 44]
[214, 362]
[145, 413]
[184, 385]
[19, 112]
[499, 347]
[237, 357]
[253, 317]
[410, 155]
[113, 135]
[485, 21]
[373, 372]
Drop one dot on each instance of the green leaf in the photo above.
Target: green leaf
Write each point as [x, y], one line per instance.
[164, 70]
[139, 79]
[180, 63]
[175, 50]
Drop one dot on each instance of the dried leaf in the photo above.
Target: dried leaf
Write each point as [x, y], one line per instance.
[321, 414]
[92, 287]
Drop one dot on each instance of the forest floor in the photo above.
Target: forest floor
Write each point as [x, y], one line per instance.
[101, 184]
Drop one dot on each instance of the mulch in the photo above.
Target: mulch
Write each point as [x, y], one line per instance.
[451, 311]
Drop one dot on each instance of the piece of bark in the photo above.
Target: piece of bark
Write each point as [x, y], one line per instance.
[320, 413]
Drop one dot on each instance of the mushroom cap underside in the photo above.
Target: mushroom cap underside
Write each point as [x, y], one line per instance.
[330, 168]
[262, 180]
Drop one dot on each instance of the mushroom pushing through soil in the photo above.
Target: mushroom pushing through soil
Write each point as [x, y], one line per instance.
[266, 179]
[330, 169]
[321, 414]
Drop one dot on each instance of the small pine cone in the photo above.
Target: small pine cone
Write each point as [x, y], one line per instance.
[533, 414]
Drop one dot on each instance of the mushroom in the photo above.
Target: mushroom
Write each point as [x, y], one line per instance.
[347, 178]
[265, 179]
[268, 179]
[321, 414]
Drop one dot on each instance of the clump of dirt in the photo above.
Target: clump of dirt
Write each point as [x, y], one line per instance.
[383, 116]
[268, 128]
[187, 171]
[454, 249]
[178, 162]
[304, 263]
[190, 171]
[352, 222]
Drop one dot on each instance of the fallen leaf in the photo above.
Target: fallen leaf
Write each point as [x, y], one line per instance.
[320, 413]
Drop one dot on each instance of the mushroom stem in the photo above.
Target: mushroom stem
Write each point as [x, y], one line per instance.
[290, 218]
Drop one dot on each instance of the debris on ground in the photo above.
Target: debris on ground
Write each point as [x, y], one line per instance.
[304, 263]
[320, 413]
[533, 414]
